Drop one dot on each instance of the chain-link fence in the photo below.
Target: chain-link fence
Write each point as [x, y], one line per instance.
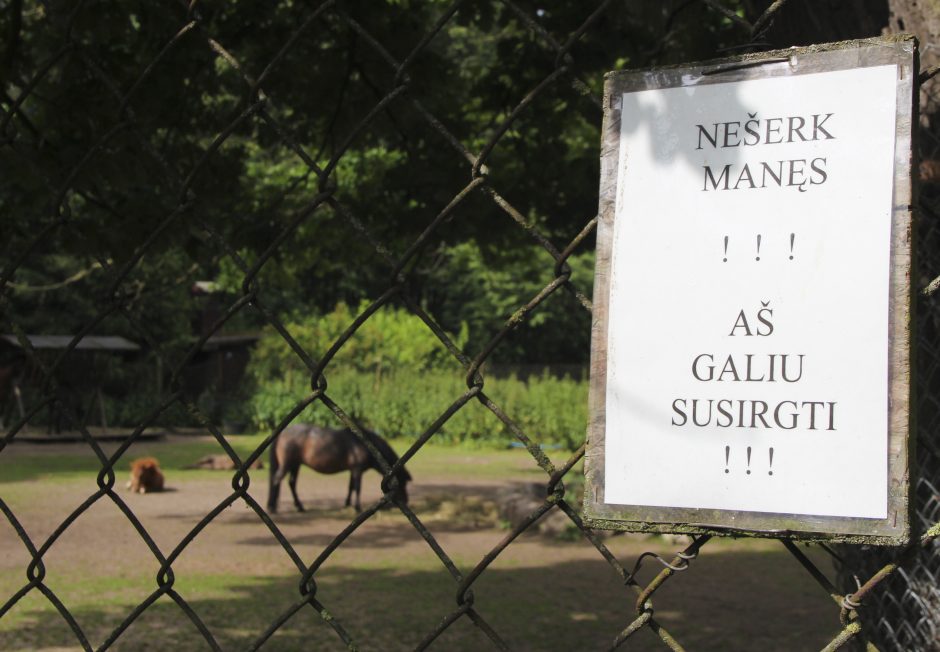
[102, 147]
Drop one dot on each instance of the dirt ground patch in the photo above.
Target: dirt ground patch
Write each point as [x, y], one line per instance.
[384, 584]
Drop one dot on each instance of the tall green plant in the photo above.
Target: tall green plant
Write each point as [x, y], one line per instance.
[395, 377]
[404, 403]
[391, 338]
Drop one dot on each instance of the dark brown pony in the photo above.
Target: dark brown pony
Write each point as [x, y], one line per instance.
[328, 451]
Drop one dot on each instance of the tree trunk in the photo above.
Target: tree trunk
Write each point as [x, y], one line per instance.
[821, 21]
[922, 18]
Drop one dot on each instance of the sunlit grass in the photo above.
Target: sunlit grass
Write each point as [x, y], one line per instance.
[79, 461]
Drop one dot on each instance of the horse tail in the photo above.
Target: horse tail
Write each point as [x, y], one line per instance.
[274, 488]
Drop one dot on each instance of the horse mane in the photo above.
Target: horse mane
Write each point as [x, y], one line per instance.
[387, 452]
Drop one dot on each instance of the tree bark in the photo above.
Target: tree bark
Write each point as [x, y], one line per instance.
[821, 21]
[922, 18]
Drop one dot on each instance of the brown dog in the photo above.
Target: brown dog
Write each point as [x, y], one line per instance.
[146, 476]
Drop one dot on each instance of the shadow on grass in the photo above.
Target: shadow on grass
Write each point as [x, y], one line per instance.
[442, 508]
[728, 601]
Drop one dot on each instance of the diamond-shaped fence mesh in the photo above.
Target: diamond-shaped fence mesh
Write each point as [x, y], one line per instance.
[125, 129]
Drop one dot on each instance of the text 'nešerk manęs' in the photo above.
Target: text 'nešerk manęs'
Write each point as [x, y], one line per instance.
[799, 173]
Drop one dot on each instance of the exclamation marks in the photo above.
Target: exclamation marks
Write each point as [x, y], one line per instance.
[748, 451]
[760, 240]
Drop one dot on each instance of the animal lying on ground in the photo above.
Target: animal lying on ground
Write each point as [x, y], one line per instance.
[146, 476]
[328, 451]
[220, 463]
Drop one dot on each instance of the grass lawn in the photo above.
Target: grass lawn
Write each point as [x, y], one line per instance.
[62, 463]
[384, 584]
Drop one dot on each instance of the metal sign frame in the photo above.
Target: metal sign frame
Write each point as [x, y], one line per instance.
[893, 530]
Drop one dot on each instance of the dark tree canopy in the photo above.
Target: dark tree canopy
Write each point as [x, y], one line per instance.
[116, 136]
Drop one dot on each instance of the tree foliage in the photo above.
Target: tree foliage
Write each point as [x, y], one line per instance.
[110, 144]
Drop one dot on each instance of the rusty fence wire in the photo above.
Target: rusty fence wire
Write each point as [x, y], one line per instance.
[892, 599]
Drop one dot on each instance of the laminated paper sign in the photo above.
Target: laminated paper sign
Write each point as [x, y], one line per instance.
[750, 350]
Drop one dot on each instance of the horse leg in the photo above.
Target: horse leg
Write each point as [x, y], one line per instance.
[293, 488]
[275, 489]
[352, 485]
[358, 475]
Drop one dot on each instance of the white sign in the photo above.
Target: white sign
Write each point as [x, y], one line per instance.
[748, 324]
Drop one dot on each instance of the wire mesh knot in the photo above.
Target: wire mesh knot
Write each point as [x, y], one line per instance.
[308, 587]
[849, 603]
[36, 571]
[318, 383]
[465, 598]
[240, 482]
[165, 576]
[390, 483]
[106, 478]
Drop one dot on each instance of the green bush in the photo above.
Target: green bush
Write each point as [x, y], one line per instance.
[390, 339]
[404, 403]
[396, 378]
